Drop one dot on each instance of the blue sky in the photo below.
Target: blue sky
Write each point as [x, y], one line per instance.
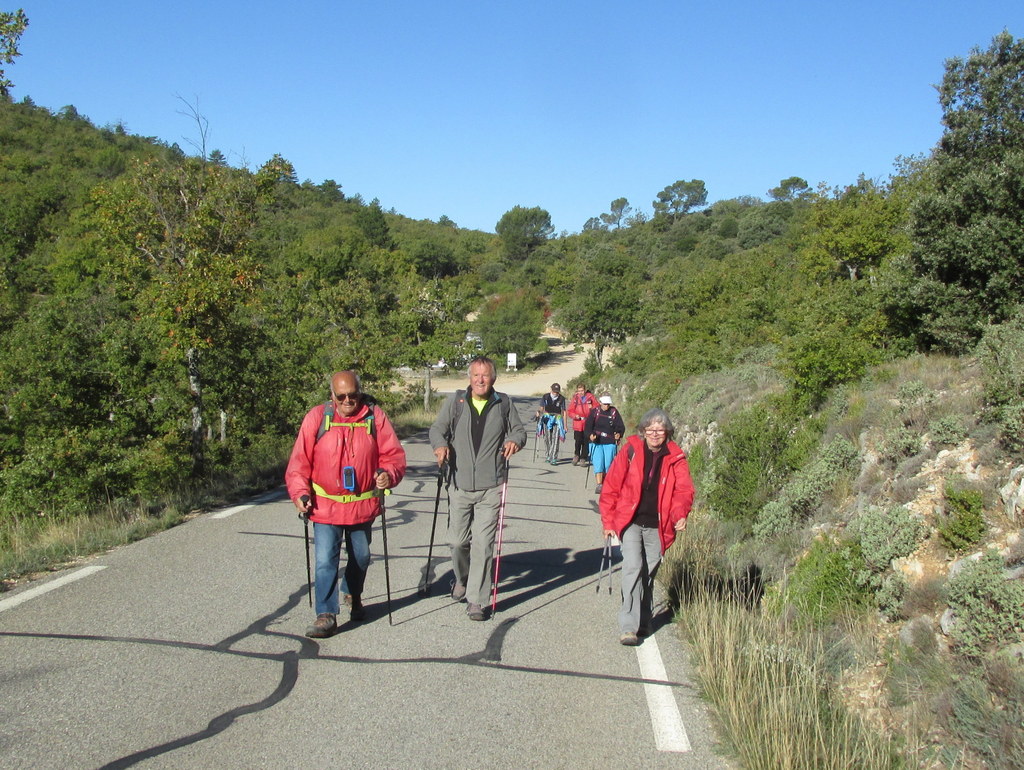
[470, 108]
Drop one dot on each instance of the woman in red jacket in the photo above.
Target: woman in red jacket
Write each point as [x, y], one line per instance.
[645, 500]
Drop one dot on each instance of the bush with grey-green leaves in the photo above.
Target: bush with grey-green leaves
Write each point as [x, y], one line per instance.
[804, 491]
[989, 609]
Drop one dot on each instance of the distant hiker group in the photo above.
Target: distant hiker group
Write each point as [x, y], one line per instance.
[347, 457]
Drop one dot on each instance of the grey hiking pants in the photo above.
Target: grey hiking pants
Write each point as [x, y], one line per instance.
[471, 529]
[641, 556]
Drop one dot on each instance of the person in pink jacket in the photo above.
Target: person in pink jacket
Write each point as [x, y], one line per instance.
[582, 403]
[345, 456]
[645, 500]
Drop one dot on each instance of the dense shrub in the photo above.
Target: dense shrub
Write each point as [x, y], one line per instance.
[963, 521]
[948, 430]
[804, 492]
[900, 443]
[989, 608]
[887, 534]
[890, 596]
[824, 583]
[757, 450]
[1001, 352]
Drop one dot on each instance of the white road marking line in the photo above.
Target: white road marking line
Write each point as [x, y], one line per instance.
[231, 511]
[669, 732]
[265, 498]
[32, 593]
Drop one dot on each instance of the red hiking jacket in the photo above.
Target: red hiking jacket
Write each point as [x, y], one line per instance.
[620, 494]
[321, 462]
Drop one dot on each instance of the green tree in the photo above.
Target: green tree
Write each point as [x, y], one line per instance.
[604, 307]
[793, 188]
[522, 230]
[852, 231]
[12, 24]
[432, 324]
[178, 236]
[370, 219]
[680, 198]
[511, 323]
[968, 251]
[620, 209]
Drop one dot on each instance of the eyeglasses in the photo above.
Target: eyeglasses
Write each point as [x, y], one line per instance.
[655, 431]
[347, 396]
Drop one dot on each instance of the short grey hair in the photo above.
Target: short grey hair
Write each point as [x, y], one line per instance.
[657, 416]
[483, 361]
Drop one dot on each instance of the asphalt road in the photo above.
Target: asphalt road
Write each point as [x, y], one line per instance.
[186, 650]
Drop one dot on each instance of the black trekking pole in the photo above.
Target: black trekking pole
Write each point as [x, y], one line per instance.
[497, 554]
[536, 438]
[384, 533]
[425, 584]
[309, 573]
[590, 461]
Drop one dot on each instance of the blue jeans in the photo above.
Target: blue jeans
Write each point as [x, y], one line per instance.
[327, 547]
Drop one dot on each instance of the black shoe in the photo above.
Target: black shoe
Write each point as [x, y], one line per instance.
[325, 625]
[356, 611]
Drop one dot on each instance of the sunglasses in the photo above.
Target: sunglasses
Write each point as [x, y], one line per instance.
[347, 396]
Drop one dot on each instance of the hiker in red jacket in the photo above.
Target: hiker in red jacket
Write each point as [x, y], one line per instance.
[645, 501]
[345, 456]
[579, 407]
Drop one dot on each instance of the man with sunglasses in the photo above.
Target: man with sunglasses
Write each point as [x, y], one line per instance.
[345, 456]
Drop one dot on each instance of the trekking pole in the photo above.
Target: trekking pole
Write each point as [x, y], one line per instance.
[309, 573]
[384, 532]
[425, 585]
[590, 461]
[497, 555]
[606, 558]
[536, 438]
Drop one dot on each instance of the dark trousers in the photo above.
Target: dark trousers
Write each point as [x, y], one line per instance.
[581, 449]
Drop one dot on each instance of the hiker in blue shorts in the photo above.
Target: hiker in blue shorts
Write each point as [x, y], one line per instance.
[604, 427]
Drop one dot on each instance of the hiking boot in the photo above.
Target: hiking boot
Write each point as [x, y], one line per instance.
[629, 639]
[575, 461]
[326, 623]
[356, 611]
[475, 612]
[458, 591]
[597, 489]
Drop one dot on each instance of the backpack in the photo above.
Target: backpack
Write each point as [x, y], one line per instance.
[328, 422]
[460, 404]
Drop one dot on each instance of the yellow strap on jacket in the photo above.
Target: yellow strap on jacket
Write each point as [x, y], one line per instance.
[348, 498]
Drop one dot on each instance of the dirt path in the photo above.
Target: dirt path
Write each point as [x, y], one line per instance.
[562, 365]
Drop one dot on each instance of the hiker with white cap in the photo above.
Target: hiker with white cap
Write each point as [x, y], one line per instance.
[604, 427]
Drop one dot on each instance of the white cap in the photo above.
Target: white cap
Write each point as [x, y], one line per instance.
[606, 400]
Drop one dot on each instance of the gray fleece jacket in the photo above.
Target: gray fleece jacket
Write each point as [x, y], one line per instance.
[475, 441]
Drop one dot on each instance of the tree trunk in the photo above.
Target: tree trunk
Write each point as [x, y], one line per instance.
[426, 390]
[195, 388]
[223, 426]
